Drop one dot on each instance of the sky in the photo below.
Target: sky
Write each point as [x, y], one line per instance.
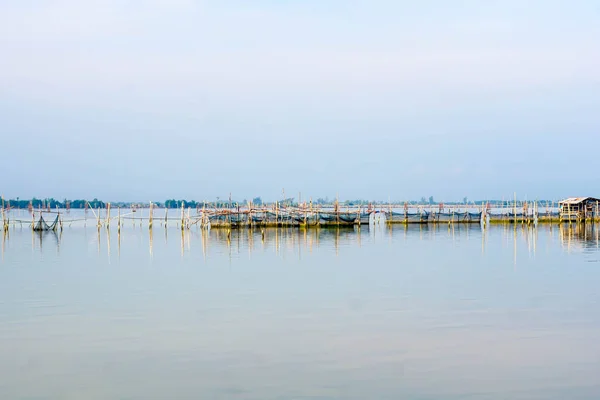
[380, 99]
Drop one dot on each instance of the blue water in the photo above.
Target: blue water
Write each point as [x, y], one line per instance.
[432, 312]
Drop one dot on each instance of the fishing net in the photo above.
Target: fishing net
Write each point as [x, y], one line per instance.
[42, 225]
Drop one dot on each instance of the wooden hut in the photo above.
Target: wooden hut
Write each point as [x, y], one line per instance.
[579, 209]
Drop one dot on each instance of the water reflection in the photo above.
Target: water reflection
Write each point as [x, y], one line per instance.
[39, 239]
[4, 235]
[385, 312]
[108, 241]
[580, 236]
[522, 240]
[150, 235]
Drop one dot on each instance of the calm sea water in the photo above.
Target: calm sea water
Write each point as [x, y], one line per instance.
[376, 313]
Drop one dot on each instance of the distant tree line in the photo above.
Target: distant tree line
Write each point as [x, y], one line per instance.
[220, 203]
[172, 203]
[52, 203]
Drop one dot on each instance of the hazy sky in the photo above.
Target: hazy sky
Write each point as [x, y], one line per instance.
[147, 100]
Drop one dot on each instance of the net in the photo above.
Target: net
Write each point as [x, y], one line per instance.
[42, 225]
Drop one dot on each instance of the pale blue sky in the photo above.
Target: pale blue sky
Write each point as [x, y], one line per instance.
[141, 100]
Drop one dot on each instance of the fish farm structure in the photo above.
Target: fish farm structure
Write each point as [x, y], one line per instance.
[572, 210]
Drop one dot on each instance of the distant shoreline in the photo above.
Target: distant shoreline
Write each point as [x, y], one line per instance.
[36, 203]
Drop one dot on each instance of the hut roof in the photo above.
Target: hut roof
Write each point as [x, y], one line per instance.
[577, 200]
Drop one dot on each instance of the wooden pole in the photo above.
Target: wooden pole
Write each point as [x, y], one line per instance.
[337, 208]
[60, 221]
[515, 208]
[182, 216]
[3, 220]
[249, 215]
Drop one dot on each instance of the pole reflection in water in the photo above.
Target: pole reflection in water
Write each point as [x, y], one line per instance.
[575, 237]
[182, 243]
[40, 237]
[4, 236]
[239, 234]
[515, 246]
[534, 232]
[150, 238]
[108, 242]
[250, 242]
[204, 239]
[525, 234]
[188, 233]
[522, 240]
[483, 236]
[337, 242]
[300, 243]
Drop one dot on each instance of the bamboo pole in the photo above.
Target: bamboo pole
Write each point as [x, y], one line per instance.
[515, 208]
[229, 210]
[60, 220]
[4, 225]
[182, 216]
[249, 217]
[337, 209]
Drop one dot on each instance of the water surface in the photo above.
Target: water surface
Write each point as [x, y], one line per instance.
[423, 312]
